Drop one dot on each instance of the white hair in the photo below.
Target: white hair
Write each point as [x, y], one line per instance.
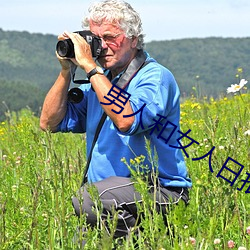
[120, 13]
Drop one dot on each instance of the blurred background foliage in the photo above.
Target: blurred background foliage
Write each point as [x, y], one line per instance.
[28, 66]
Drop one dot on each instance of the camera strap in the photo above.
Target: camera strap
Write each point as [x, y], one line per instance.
[136, 64]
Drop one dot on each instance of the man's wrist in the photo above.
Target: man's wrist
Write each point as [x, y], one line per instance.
[65, 73]
[96, 70]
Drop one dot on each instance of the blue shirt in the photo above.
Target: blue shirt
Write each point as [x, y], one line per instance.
[155, 86]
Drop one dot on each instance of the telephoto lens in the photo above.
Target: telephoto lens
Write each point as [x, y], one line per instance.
[65, 48]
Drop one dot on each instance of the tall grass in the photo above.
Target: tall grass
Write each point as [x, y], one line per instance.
[40, 172]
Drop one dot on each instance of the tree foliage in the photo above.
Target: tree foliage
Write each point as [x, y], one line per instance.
[28, 57]
[28, 65]
[212, 63]
[16, 95]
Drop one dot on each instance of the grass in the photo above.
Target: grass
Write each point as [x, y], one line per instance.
[40, 172]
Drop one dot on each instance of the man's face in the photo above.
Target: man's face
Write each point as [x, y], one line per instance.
[118, 50]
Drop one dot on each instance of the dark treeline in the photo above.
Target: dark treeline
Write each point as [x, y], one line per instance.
[28, 66]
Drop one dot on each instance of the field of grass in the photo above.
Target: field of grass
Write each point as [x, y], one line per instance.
[40, 172]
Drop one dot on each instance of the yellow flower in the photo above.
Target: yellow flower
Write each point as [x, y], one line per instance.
[183, 113]
[195, 105]
[240, 70]
[132, 162]
[138, 160]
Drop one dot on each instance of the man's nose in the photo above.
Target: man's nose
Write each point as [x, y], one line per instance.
[104, 44]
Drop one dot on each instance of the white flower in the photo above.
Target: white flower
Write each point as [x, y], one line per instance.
[192, 240]
[217, 241]
[242, 248]
[22, 210]
[247, 132]
[237, 87]
[221, 147]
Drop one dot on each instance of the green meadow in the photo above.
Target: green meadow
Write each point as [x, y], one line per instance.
[40, 172]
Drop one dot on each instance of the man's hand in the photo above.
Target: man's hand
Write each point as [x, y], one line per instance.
[66, 63]
[83, 54]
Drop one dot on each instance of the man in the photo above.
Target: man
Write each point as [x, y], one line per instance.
[151, 112]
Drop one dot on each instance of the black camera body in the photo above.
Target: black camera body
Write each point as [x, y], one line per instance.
[65, 48]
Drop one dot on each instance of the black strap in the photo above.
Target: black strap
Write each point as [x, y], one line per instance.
[97, 132]
[136, 64]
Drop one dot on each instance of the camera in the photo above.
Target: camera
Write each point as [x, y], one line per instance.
[65, 48]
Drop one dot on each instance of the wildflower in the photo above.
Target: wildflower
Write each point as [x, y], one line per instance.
[237, 87]
[248, 230]
[242, 248]
[195, 105]
[230, 244]
[45, 216]
[132, 162]
[192, 240]
[246, 133]
[22, 210]
[240, 70]
[216, 241]
[221, 147]
[14, 188]
[137, 160]
[198, 182]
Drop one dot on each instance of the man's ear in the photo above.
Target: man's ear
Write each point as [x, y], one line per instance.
[134, 42]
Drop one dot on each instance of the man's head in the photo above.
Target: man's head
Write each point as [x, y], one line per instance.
[119, 26]
[119, 13]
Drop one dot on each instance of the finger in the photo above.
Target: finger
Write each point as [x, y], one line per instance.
[75, 37]
[66, 33]
[69, 34]
[63, 36]
[69, 60]
[59, 57]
